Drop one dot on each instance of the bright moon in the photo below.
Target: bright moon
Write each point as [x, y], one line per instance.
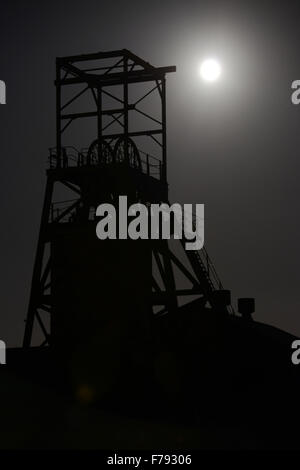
[210, 70]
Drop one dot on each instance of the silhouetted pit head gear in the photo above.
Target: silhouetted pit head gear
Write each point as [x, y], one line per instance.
[134, 159]
[117, 155]
[93, 157]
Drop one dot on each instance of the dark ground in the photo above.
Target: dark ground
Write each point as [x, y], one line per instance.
[227, 385]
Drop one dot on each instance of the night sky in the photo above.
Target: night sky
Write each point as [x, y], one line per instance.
[233, 145]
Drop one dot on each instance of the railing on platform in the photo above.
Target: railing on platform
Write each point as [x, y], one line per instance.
[71, 157]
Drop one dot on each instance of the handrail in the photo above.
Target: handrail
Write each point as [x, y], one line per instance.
[210, 270]
[150, 165]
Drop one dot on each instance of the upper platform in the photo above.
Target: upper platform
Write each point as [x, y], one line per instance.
[107, 74]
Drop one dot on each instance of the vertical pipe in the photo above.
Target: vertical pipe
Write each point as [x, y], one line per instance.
[164, 130]
[99, 123]
[58, 110]
[126, 125]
